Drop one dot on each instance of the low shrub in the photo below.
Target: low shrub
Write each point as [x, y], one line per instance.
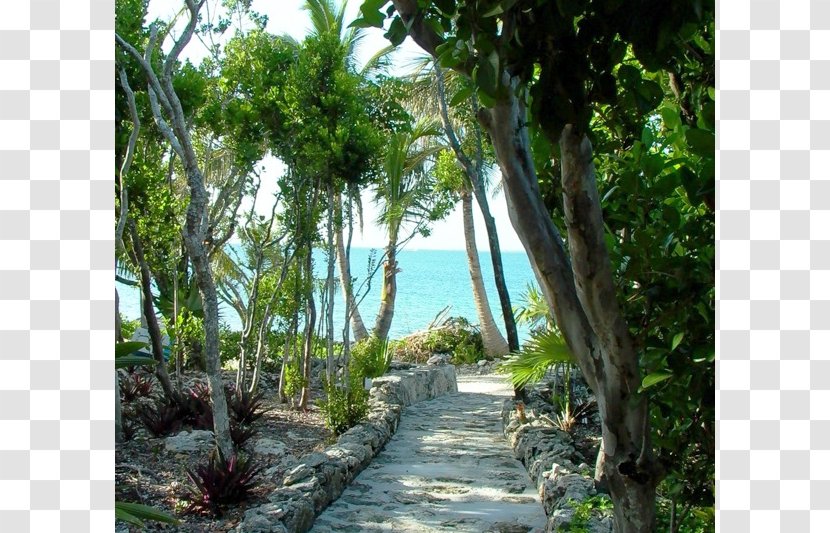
[293, 381]
[220, 482]
[596, 505]
[371, 357]
[128, 327]
[455, 336]
[344, 407]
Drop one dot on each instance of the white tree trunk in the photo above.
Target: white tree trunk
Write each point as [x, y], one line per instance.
[358, 327]
[494, 343]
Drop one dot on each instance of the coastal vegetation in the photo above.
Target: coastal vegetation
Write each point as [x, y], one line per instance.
[595, 119]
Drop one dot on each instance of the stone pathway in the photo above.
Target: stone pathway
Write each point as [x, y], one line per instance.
[448, 468]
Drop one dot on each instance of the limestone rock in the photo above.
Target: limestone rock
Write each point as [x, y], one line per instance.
[266, 446]
[439, 359]
[196, 441]
[296, 474]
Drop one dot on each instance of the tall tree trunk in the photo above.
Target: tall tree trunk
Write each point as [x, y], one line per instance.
[581, 295]
[494, 343]
[631, 468]
[119, 426]
[388, 292]
[308, 343]
[498, 267]
[193, 238]
[329, 309]
[346, 287]
[474, 174]
[162, 95]
[150, 315]
[586, 313]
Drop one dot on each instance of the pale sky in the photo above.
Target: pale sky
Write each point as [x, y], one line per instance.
[288, 17]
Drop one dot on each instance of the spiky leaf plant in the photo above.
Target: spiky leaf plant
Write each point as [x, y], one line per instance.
[246, 408]
[220, 482]
[161, 419]
[136, 385]
[240, 434]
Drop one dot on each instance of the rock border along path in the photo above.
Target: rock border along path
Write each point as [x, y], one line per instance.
[448, 468]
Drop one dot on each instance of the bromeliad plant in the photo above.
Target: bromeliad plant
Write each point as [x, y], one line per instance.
[162, 419]
[136, 385]
[246, 408]
[240, 434]
[220, 482]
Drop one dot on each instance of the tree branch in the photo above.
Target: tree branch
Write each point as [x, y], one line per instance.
[128, 159]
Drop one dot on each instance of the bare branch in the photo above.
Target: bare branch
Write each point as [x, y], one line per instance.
[469, 169]
[128, 158]
[173, 56]
[162, 124]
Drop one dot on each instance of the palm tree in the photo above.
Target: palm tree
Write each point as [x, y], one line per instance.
[491, 337]
[464, 137]
[328, 18]
[406, 195]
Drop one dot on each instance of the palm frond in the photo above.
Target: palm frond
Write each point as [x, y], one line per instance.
[532, 362]
[321, 13]
[378, 61]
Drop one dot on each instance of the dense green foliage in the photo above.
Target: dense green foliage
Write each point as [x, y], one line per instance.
[371, 357]
[637, 78]
[344, 405]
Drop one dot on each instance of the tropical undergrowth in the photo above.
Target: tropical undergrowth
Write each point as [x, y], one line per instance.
[455, 336]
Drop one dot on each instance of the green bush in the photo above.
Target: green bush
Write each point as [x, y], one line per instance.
[344, 407]
[694, 519]
[293, 380]
[370, 358]
[584, 510]
[228, 344]
[229, 348]
[128, 327]
[455, 336]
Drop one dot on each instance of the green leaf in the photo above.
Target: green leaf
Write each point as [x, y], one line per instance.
[701, 142]
[124, 516]
[461, 95]
[655, 378]
[134, 360]
[671, 117]
[370, 19]
[447, 7]
[678, 338]
[135, 513]
[485, 99]
[397, 32]
[542, 351]
[123, 349]
[485, 73]
[711, 92]
[493, 11]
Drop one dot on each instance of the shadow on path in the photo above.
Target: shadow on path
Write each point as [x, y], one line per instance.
[448, 468]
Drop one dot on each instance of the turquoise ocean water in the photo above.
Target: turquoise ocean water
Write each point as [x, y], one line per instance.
[429, 281]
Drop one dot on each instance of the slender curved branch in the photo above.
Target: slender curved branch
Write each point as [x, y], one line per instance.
[128, 159]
